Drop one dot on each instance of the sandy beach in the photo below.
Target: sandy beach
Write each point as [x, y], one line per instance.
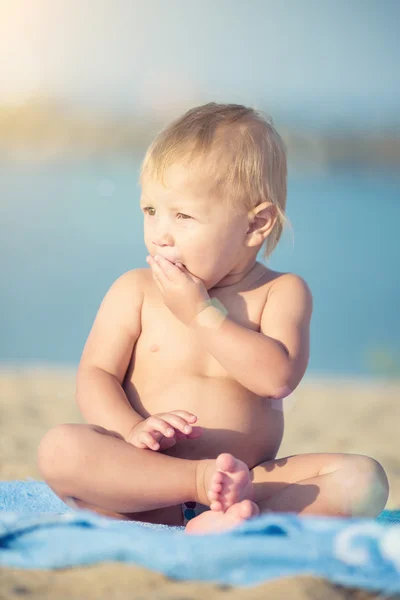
[322, 415]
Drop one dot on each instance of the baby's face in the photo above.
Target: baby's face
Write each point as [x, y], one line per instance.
[187, 224]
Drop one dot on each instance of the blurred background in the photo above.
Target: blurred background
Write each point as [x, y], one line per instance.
[84, 87]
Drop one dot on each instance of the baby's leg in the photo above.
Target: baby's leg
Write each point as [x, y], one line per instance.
[321, 484]
[102, 470]
[347, 485]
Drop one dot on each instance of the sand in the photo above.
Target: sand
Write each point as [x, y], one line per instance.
[323, 415]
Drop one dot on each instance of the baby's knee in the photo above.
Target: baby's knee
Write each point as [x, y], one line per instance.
[368, 482]
[58, 452]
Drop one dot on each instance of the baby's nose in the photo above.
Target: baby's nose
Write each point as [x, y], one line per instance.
[162, 238]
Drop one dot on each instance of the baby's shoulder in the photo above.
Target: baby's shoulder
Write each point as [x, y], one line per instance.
[290, 289]
[131, 283]
[282, 280]
[283, 286]
[136, 275]
[287, 279]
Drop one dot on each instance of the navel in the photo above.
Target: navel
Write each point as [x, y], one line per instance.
[154, 348]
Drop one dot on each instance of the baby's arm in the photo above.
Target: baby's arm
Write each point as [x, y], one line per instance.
[106, 355]
[272, 362]
[286, 319]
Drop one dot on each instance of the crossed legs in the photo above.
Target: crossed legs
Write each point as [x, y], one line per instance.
[349, 485]
[101, 471]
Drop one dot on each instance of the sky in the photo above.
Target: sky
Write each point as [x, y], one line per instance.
[317, 61]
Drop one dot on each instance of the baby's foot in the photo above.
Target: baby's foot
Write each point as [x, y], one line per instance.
[212, 521]
[228, 483]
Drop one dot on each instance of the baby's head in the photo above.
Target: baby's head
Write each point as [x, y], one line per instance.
[214, 189]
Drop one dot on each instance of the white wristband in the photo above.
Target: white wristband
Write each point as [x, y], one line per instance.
[212, 315]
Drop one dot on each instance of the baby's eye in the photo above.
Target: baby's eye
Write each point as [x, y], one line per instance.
[149, 208]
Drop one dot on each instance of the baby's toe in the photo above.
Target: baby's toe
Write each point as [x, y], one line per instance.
[216, 505]
[214, 496]
[218, 477]
[216, 488]
[249, 509]
[214, 493]
[226, 462]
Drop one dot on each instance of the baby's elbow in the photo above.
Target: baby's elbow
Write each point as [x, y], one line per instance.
[281, 392]
[289, 376]
[283, 384]
[285, 379]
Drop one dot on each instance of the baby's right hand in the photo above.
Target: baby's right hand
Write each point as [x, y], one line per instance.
[159, 432]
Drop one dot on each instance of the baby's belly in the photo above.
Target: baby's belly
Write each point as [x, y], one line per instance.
[232, 418]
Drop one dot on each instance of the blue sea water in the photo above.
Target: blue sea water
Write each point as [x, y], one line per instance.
[69, 230]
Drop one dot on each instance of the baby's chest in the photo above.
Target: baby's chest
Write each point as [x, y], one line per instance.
[168, 346]
[165, 343]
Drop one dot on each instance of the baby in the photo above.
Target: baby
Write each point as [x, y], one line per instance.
[184, 372]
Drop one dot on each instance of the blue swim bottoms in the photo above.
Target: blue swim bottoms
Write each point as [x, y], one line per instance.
[190, 510]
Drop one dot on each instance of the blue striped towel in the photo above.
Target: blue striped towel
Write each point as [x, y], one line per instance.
[39, 531]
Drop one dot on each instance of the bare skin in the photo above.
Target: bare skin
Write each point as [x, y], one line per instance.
[227, 459]
[184, 370]
[213, 521]
[236, 480]
[231, 493]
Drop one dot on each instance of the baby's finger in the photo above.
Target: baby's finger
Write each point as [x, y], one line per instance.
[188, 416]
[194, 434]
[177, 422]
[148, 441]
[166, 443]
[159, 424]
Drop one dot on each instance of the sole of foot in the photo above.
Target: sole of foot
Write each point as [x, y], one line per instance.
[212, 521]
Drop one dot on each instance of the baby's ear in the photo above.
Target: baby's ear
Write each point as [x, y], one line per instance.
[253, 226]
[252, 217]
[263, 219]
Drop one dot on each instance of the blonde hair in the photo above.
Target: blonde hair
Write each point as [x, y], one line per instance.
[238, 152]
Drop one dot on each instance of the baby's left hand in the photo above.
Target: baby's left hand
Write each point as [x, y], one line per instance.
[168, 442]
[183, 293]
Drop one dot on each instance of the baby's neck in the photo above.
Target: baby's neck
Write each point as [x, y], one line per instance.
[239, 276]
